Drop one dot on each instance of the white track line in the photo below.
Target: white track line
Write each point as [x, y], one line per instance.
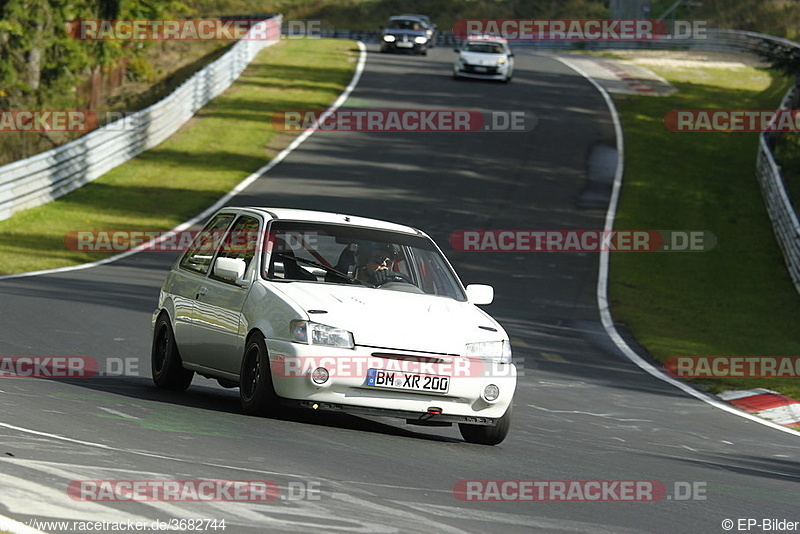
[602, 282]
[362, 60]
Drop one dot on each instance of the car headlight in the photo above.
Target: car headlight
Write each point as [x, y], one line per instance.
[321, 334]
[389, 38]
[501, 61]
[499, 351]
[421, 39]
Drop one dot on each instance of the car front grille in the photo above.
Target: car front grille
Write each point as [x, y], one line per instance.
[478, 69]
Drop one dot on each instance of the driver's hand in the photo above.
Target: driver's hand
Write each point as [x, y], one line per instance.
[381, 276]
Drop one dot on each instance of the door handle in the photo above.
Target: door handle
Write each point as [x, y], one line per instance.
[201, 292]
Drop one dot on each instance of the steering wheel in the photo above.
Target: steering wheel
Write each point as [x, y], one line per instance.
[385, 276]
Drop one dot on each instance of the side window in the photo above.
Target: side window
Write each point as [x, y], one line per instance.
[242, 241]
[198, 257]
[435, 278]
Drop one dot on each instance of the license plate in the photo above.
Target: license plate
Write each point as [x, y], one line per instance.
[408, 381]
[481, 69]
[405, 44]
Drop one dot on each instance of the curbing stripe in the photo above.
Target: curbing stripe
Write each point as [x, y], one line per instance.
[731, 394]
[362, 60]
[602, 281]
[785, 414]
[765, 403]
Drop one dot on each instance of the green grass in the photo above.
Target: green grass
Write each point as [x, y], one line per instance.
[738, 299]
[224, 143]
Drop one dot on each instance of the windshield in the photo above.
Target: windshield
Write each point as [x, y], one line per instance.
[484, 48]
[405, 24]
[331, 253]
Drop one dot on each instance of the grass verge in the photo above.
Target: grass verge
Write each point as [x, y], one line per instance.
[168, 184]
[737, 299]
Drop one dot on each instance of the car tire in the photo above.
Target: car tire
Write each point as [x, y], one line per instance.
[487, 435]
[165, 361]
[256, 390]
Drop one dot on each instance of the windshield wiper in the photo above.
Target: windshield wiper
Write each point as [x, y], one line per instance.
[313, 263]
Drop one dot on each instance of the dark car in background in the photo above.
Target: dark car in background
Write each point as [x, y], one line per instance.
[429, 27]
[407, 33]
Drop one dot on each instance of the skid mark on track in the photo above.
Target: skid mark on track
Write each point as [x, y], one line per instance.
[345, 509]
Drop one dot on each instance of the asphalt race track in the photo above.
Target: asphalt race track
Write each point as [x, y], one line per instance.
[582, 411]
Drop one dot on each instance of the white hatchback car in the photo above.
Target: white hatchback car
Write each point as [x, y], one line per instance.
[484, 57]
[334, 312]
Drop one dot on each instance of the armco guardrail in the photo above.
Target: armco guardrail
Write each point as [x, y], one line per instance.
[44, 177]
[779, 207]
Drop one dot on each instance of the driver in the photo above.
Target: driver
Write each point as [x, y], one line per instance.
[376, 265]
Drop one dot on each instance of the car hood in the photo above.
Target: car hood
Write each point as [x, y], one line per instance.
[479, 58]
[394, 319]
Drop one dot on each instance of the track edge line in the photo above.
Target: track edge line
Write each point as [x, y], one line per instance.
[602, 281]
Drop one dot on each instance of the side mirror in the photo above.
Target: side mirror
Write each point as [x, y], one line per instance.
[480, 294]
[231, 269]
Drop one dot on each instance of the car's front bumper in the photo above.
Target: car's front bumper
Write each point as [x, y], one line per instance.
[471, 71]
[347, 389]
[396, 46]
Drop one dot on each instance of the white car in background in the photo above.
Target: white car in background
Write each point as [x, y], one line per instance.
[333, 312]
[484, 57]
